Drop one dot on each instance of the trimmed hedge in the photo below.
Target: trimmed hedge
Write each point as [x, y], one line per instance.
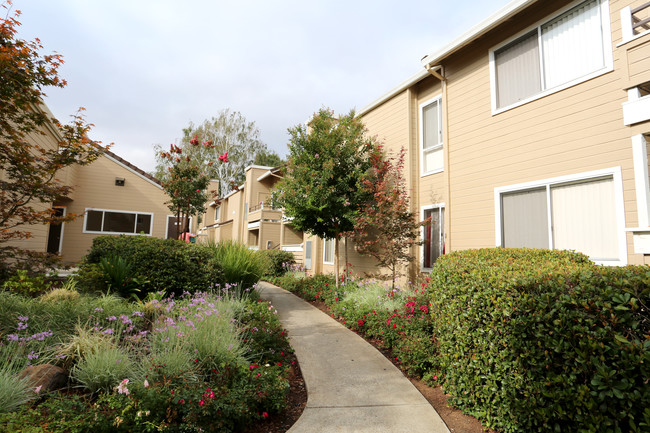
[539, 341]
[167, 264]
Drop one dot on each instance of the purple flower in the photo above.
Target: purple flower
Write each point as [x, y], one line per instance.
[111, 318]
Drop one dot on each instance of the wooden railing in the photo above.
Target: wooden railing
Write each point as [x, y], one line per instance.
[639, 25]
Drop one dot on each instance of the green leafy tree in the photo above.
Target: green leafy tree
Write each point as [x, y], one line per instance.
[386, 229]
[228, 134]
[268, 158]
[322, 187]
[28, 169]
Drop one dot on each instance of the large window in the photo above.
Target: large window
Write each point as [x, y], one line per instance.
[431, 136]
[433, 235]
[111, 221]
[582, 214]
[328, 251]
[574, 46]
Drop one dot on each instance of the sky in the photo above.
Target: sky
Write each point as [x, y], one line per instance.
[145, 69]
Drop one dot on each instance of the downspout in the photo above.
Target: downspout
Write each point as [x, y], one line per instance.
[438, 72]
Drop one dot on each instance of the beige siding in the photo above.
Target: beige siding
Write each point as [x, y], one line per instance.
[96, 189]
[270, 232]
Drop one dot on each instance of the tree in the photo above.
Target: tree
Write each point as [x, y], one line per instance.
[322, 187]
[268, 158]
[28, 170]
[385, 228]
[186, 185]
[228, 134]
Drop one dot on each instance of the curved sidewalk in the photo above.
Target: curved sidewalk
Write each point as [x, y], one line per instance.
[351, 386]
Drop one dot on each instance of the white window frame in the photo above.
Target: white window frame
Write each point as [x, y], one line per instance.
[608, 56]
[167, 224]
[422, 210]
[136, 213]
[217, 214]
[641, 179]
[440, 144]
[613, 172]
[333, 251]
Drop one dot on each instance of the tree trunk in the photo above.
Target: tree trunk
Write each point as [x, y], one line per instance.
[345, 270]
[336, 258]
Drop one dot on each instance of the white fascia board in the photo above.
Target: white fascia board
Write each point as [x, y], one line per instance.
[478, 30]
[263, 167]
[431, 59]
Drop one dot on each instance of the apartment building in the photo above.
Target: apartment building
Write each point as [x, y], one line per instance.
[247, 215]
[531, 130]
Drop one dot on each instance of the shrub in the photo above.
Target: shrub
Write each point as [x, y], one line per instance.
[165, 264]
[242, 267]
[103, 369]
[23, 283]
[538, 340]
[279, 262]
[13, 391]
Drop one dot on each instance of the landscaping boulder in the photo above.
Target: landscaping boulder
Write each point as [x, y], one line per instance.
[48, 377]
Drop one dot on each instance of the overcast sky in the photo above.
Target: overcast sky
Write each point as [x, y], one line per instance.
[144, 69]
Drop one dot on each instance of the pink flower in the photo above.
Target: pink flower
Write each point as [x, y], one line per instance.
[201, 403]
[198, 190]
[122, 389]
[146, 383]
[435, 377]
[194, 141]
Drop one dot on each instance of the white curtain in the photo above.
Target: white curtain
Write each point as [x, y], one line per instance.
[584, 218]
[572, 45]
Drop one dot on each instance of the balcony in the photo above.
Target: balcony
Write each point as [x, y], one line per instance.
[637, 108]
[264, 212]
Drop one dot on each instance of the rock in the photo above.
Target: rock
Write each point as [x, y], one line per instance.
[48, 377]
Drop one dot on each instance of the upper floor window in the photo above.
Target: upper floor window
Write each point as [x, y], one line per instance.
[217, 214]
[431, 136]
[569, 48]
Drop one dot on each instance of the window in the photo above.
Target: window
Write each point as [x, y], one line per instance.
[433, 235]
[569, 48]
[328, 251]
[217, 214]
[582, 214]
[431, 136]
[109, 221]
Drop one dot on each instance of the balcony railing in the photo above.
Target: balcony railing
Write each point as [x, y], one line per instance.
[635, 21]
[262, 206]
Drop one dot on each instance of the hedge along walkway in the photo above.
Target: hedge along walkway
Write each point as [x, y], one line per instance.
[351, 386]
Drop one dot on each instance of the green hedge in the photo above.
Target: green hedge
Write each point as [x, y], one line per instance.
[166, 264]
[279, 262]
[539, 341]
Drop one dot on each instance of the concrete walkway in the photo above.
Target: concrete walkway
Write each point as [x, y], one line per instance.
[351, 386]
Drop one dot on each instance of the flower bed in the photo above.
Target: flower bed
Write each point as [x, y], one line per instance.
[201, 362]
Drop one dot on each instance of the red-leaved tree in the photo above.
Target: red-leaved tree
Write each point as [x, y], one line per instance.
[385, 228]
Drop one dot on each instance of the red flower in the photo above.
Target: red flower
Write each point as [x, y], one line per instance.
[265, 415]
[224, 157]
[201, 403]
[181, 401]
[435, 377]
[194, 141]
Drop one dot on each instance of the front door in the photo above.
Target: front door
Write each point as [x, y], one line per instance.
[55, 234]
